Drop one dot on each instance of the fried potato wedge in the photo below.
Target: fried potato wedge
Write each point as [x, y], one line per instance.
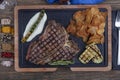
[88, 24]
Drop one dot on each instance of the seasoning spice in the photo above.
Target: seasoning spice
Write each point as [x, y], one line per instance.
[6, 38]
[7, 47]
[5, 21]
[6, 29]
[7, 63]
[7, 55]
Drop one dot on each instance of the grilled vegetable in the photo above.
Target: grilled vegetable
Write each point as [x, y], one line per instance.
[61, 62]
[35, 26]
[93, 53]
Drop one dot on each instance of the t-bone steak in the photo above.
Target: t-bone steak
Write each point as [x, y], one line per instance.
[52, 45]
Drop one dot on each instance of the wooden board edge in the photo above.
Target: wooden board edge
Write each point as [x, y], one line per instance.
[18, 69]
[109, 37]
[16, 38]
[108, 68]
[58, 7]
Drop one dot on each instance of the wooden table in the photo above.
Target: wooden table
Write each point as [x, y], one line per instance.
[63, 73]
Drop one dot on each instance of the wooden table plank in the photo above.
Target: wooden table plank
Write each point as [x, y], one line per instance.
[62, 75]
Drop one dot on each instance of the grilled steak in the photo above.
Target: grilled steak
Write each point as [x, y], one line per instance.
[52, 45]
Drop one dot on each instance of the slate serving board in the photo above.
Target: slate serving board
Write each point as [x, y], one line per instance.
[62, 14]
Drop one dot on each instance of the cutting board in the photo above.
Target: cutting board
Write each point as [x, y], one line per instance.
[62, 14]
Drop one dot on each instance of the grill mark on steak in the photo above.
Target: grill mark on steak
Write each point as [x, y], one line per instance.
[52, 38]
[45, 48]
[28, 53]
[52, 45]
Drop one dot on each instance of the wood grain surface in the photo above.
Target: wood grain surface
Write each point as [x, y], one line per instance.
[62, 73]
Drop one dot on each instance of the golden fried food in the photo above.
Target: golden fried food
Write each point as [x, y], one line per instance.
[88, 24]
[90, 14]
[79, 17]
[72, 27]
[96, 39]
[82, 32]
